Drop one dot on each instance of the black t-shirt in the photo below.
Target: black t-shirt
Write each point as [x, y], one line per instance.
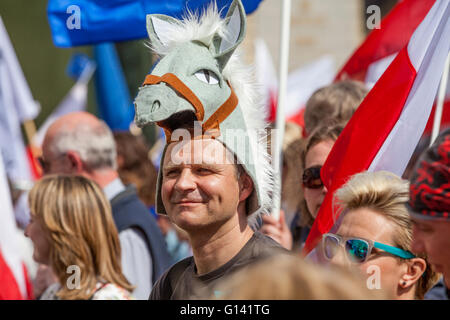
[182, 282]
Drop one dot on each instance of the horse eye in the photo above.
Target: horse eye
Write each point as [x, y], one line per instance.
[207, 76]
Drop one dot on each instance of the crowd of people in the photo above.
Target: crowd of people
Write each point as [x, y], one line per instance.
[94, 211]
[106, 224]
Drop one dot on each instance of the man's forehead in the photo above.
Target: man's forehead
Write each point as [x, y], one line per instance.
[198, 151]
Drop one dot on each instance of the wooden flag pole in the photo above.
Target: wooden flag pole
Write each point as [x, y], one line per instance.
[30, 130]
[29, 127]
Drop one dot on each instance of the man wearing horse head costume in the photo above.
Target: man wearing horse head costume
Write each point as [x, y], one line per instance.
[215, 175]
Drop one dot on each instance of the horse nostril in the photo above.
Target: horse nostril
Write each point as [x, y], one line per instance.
[156, 104]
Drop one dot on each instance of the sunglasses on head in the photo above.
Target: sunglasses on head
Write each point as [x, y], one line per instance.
[357, 250]
[311, 178]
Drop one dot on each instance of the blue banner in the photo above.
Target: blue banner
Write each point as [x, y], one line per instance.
[82, 22]
[78, 64]
[114, 104]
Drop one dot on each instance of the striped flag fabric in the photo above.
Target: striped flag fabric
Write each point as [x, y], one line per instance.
[371, 59]
[385, 129]
[381, 45]
[14, 282]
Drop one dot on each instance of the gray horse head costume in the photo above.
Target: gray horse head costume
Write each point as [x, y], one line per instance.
[201, 79]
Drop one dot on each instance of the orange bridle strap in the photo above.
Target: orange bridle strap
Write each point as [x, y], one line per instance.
[212, 124]
[181, 88]
[222, 112]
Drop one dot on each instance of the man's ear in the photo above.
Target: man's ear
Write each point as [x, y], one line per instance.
[416, 267]
[74, 162]
[245, 186]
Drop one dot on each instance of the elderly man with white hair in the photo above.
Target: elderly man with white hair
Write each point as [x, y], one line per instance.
[80, 143]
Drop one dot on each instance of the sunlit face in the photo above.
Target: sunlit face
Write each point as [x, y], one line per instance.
[316, 156]
[368, 224]
[433, 239]
[41, 243]
[198, 191]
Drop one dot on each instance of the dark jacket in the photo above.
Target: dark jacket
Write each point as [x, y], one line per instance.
[129, 212]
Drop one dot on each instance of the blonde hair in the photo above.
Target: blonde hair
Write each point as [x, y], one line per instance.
[387, 194]
[294, 279]
[77, 219]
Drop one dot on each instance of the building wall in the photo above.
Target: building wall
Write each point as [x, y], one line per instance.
[318, 27]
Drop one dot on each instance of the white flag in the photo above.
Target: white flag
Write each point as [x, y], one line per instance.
[75, 100]
[26, 107]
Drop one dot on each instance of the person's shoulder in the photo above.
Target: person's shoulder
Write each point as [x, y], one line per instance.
[111, 291]
[126, 198]
[264, 239]
[263, 245]
[163, 288]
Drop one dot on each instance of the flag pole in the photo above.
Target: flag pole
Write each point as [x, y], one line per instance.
[280, 117]
[440, 102]
[30, 129]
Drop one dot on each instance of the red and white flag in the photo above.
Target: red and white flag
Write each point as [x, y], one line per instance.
[14, 282]
[381, 45]
[385, 129]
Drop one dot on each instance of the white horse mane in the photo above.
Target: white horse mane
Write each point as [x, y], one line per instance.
[202, 28]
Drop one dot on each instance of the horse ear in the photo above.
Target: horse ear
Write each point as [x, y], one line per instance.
[157, 27]
[234, 34]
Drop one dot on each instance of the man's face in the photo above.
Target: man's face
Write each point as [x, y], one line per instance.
[199, 184]
[433, 239]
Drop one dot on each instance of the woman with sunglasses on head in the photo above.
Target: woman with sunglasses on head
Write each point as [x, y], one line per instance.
[374, 234]
[314, 153]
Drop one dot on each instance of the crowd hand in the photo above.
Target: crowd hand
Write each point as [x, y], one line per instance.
[277, 230]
